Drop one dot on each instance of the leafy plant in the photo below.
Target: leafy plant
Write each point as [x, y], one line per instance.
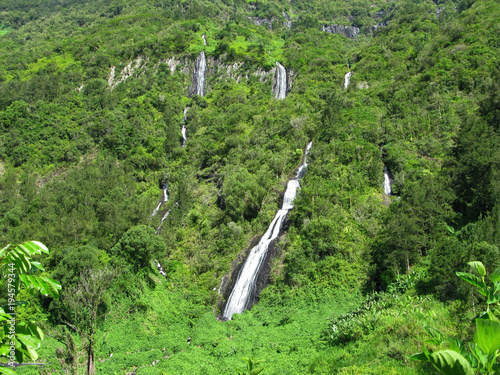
[491, 292]
[21, 339]
[251, 367]
[482, 353]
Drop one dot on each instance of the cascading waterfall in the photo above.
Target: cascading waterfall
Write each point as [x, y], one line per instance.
[200, 68]
[155, 211]
[164, 217]
[387, 182]
[164, 199]
[280, 82]
[183, 129]
[160, 268]
[247, 278]
[204, 39]
[347, 80]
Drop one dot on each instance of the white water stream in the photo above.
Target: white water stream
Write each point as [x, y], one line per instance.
[279, 85]
[183, 129]
[164, 217]
[245, 284]
[387, 182]
[347, 80]
[164, 199]
[200, 68]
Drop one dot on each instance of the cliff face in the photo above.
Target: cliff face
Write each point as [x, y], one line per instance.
[201, 72]
[347, 31]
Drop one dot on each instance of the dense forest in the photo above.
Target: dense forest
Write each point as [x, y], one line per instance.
[149, 192]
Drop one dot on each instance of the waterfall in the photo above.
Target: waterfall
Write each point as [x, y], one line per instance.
[160, 269]
[183, 129]
[200, 68]
[387, 182]
[245, 284]
[204, 39]
[164, 217]
[163, 200]
[347, 80]
[280, 82]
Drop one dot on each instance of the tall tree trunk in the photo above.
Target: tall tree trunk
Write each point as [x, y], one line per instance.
[90, 362]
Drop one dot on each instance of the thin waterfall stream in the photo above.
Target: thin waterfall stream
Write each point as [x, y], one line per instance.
[163, 200]
[387, 182]
[243, 288]
[164, 217]
[280, 82]
[183, 129]
[347, 80]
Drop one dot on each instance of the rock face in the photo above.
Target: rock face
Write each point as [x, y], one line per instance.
[288, 22]
[438, 11]
[375, 28]
[363, 85]
[172, 63]
[129, 69]
[262, 21]
[204, 67]
[347, 31]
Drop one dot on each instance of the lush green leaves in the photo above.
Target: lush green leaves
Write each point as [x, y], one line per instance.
[252, 368]
[449, 362]
[436, 337]
[16, 267]
[139, 246]
[487, 335]
[474, 280]
[84, 159]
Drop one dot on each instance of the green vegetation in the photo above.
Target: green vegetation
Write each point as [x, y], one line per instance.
[92, 96]
[481, 355]
[21, 338]
[4, 30]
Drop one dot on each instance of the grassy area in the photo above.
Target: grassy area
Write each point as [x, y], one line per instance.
[4, 30]
[166, 330]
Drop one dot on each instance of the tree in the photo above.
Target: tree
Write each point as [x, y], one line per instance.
[413, 225]
[85, 305]
[138, 245]
[476, 170]
[242, 192]
[20, 340]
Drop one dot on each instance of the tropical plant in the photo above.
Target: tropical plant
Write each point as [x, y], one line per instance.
[20, 340]
[251, 367]
[479, 356]
[491, 292]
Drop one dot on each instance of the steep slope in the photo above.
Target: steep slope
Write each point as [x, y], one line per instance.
[94, 126]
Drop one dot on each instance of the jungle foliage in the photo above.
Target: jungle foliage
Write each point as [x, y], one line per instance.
[92, 99]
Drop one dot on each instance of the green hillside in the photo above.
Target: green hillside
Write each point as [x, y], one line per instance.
[93, 98]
